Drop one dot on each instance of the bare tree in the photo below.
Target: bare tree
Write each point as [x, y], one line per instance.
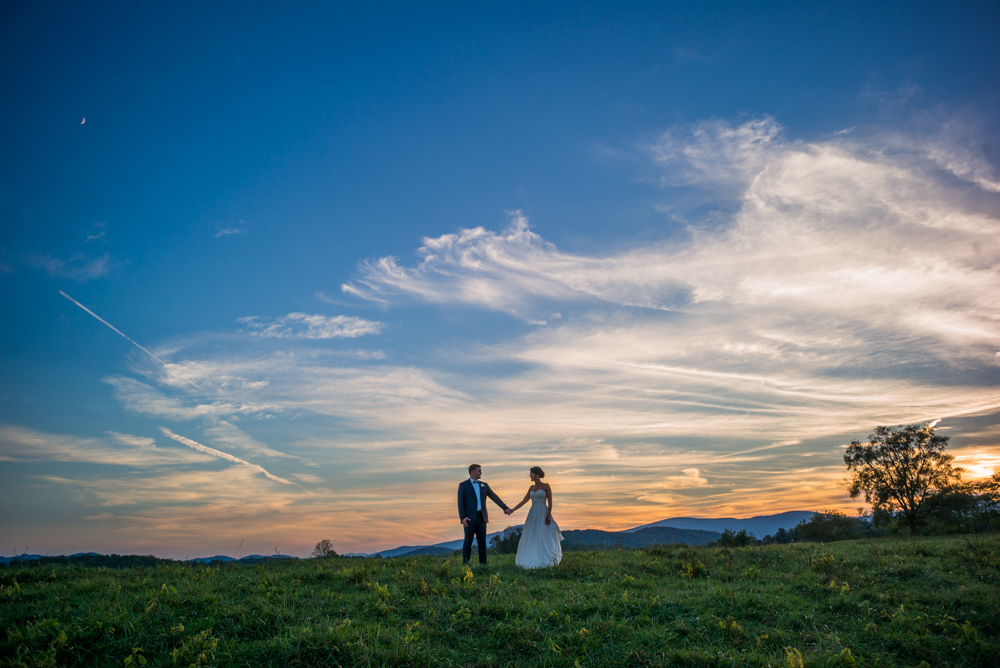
[899, 469]
[323, 549]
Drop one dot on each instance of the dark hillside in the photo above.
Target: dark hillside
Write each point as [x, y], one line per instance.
[582, 539]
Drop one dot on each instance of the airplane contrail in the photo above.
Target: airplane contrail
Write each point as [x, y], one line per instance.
[119, 332]
[195, 445]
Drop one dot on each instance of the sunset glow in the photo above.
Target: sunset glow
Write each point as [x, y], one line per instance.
[301, 317]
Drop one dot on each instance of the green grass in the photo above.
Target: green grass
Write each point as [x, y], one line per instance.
[879, 602]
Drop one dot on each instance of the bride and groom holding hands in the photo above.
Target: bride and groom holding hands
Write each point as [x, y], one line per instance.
[539, 546]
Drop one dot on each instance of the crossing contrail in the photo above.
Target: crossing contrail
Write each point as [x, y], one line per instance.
[195, 445]
[119, 332]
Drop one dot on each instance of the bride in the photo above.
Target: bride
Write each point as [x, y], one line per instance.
[539, 546]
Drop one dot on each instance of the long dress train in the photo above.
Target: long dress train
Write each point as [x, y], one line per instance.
[539, 546]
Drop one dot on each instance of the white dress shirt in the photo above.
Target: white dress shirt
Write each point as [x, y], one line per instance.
[479, 494]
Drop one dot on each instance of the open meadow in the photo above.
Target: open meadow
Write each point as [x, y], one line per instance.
[876, 602]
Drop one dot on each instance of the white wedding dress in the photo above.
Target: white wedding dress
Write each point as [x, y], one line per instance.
[539, 546]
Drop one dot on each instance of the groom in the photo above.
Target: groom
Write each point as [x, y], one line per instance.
[472, 495]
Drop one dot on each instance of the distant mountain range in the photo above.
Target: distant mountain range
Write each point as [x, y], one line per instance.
[689, 530]
[577, 539]
[759, 526]
[249, 557]
[29, 557]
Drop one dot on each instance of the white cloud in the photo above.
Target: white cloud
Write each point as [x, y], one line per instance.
[134, 441]
[304, 326]
[717, 153]
[141, 398]
[99, 234]
[228, 434]
[298, 380]
[78, 267]
[507, 272]
[835, 251]
[21, 444]
[692, 478]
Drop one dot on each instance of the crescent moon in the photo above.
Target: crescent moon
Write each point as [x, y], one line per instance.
[84, 120]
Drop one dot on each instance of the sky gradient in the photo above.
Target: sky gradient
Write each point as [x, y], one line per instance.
[300, 266]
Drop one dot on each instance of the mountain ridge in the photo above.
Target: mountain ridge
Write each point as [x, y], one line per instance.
[759, 525]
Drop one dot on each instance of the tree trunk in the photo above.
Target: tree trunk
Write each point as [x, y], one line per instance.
[911, 520]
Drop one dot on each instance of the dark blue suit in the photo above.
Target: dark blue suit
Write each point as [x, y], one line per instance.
[477, 520]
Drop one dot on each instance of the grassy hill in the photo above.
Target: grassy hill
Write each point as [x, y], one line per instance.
[880, 602]
[433, 550]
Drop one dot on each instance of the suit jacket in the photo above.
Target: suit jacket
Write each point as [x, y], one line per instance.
[467, 500]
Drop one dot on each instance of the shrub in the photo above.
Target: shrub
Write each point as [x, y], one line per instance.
[738, 539]
[833, 525]
[507, 541]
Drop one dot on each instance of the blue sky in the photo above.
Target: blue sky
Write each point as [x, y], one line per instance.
[678, 254]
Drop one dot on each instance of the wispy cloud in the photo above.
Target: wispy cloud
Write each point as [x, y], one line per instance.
[77, 267]
[620, 437]
[315, 381]
[226, 433]
[835, 251]
[134, 441]
[194, 445]
[141, 398]
[100, 234]
[304, 326]
[323, 297]
[21, 444]
[226, 231]
[692, 478]
[508, 271]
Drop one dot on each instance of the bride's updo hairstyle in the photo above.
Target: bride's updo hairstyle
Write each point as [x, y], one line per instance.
[537, 470]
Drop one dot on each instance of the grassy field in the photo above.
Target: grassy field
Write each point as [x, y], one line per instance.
[879, 602]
